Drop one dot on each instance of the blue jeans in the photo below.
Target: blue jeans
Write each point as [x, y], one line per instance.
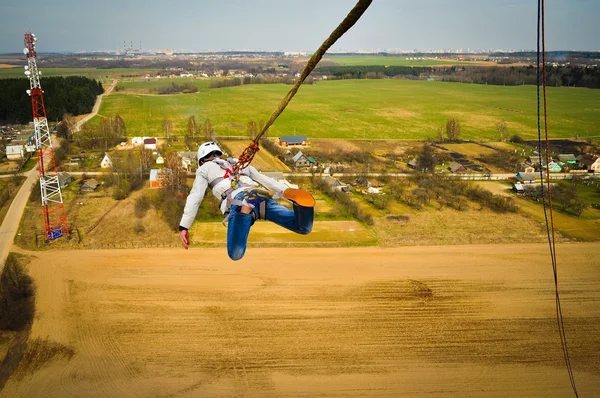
[300, 221]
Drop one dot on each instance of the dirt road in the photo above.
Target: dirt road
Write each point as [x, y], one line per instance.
[10, 224]
[462, 321]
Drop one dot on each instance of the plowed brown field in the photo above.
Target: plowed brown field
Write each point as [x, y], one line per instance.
[463, 321]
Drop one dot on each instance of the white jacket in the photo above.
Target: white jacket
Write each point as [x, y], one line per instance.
[212, 170]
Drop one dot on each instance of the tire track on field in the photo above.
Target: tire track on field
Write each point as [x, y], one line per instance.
[100, 357]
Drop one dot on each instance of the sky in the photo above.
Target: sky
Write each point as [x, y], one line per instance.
[299, 25]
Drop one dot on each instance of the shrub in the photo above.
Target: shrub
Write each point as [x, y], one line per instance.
[122, 190]
[17, 295]
[139, 228]
[516, 139]
[142, 205]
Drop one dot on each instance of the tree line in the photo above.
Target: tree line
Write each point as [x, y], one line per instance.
[72, 94]
[556, 76]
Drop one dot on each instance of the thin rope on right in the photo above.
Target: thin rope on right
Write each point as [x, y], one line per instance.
[352, 17]
[549, 225]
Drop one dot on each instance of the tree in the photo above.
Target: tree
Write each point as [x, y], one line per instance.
[177, 177]
[208, 130]
[119, 126]
[192, 126]
[251, 129]
[453, 129]
[167, 126]
[502, 129]
[426, 159]
[64, 128]
[146, 158]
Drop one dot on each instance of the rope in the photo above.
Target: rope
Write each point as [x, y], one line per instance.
[541, 81]
[353, 16]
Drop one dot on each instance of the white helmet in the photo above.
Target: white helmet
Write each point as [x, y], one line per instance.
[207, 149]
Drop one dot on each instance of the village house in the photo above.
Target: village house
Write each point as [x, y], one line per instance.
[527, 168]
[15, 152]
[413, 164]
[591, 162]
[527, 178]
[159, 178]
[106, 162]
[567, 158]
[188, 160]
[554, 167]
[535, 159]
[293, 140]
[456, 167]
[64, 179]
[89, 185]
[301, 160]
[335, 185]
[150, 143]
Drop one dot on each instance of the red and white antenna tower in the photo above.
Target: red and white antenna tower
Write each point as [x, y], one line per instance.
[55, 218]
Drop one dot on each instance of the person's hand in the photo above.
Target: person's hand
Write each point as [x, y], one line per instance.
[184, 235]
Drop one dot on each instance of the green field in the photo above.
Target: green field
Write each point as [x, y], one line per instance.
[371, 109]
[359, 60]
[87, 72]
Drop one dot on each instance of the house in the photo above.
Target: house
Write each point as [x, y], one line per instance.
[524, 167]
[159, 178]
[106, 162]
[293, 140]
[301, 160]
[456, 167]
[137, 141]
[413, 164]
[150, 143]
[590, 161]
[335, 185]
[518, 187]
[188, 159]
[64, 179]
[15, 152]
[554, 167]
[527, 177]
[534, 159]
[567, 158]
[160, 160]
[89, 185]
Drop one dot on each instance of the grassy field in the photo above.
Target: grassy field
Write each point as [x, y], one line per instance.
[389, 60]
[370, 109]
[578, 228]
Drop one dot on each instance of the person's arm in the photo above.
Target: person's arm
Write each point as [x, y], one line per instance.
[265, 181]
[191, 207]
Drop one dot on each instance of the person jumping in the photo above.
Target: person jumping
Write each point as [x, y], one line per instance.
[252, 198]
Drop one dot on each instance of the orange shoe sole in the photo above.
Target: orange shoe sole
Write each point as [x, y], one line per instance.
[300, 197]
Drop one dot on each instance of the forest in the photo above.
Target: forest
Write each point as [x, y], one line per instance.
[74, 94]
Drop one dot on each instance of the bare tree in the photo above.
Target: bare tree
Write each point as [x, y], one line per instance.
[208, 130]
[192, 126]
[146, 158]
[177, 177]
[453, 129]
[251, 129]
[119, 126]
[502, 129]
[167, 126]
